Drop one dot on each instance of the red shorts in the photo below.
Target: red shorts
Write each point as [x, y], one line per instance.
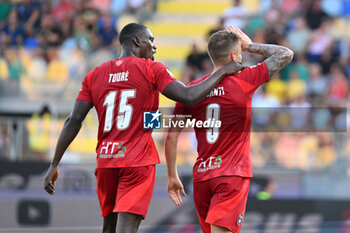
[221, 201]
[127, 189]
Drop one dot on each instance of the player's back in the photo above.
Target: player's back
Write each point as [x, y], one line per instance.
[225, 150]
[121, 90]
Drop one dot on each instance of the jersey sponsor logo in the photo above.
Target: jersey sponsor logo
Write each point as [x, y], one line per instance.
[219, 91]
[210, 163]
[118, 63]
[118, 77]
[151, 120]
[112, 149]
[240, 219]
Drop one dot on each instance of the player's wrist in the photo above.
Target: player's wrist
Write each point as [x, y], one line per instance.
[54, 165]
[173, 176]
[246, 46]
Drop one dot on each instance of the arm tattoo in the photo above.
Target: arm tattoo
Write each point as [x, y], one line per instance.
[278, 57]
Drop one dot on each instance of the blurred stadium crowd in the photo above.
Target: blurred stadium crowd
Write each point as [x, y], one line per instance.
[53, 43]
[47, 47]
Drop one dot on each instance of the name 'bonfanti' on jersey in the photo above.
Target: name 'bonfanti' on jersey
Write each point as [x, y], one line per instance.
[225, 150]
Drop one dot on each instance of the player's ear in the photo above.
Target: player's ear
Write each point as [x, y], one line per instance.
[233, 55]
[137, 41]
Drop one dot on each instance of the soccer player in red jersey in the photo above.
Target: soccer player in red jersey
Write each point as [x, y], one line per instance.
[121, 90]
[223, 169]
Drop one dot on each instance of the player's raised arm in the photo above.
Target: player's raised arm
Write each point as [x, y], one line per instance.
[193, 94]
[278, 56]
[69, 131]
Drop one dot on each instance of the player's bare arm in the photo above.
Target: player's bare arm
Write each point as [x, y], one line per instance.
[69, 131]
[278, 57]
[193, 94]
[174, 183]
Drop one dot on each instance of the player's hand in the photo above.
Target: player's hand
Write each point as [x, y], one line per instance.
[245, 40]
[50, 178]
[233, 67]
[174, 188]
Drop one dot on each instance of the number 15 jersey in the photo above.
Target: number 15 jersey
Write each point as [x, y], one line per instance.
[121, 90]
[225, 151]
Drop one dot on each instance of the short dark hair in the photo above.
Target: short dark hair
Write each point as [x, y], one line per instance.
[221, 44]
[129, 32]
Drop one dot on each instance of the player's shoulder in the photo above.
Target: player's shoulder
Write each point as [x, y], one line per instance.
[145, 62]
[253, 67]
[106, 64]
[198, 80]
[103, 67]
[155, 64]
[249, 70]
[122, 61]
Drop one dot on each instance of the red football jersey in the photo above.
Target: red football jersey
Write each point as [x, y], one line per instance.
[226, 150]
[121, 90]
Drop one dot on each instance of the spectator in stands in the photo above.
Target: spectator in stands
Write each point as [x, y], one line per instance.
[15, 72]
[5, 9]
[301, 66]
[291, 7]
[333, 8]
[4, 71]
[118, 7]
[326, 152]
[328, 57]
[39, 133]
[107, 28]
[4, 142]
[317, 85]
[31, 41]
[295, 87]
[319, 43]
[273, 14]
[346, 7]
[137, 8]
[299, 112]
[236, 15]
[263, 106]
[63, 11]
[320, 117]
[38, 66]
[338, 88]
[102, 5]
[298, 36]
[277, 88]
[80, 32]
[89, 14]
[196, 64]
[50, 32]
[12, 33]
[57, 70]
[314, 14]
[29, 13]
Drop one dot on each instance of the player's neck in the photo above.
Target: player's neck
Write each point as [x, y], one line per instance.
[216, 68]
[128, 53]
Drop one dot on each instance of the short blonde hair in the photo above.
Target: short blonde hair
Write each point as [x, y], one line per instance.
[220, 46]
